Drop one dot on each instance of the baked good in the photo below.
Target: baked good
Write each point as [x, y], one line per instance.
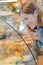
[19, 54]
[3, 48]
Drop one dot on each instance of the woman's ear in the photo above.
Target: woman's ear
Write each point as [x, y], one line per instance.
[36, 12]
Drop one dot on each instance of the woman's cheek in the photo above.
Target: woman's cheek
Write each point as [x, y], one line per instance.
[29, 22]
[26, 22]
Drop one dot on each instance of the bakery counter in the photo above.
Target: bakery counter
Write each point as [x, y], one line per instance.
[13, 50]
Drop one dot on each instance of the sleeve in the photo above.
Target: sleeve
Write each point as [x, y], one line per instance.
[40, 29]
[40, 43]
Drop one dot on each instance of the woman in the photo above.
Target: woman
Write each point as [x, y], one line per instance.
[31, 15]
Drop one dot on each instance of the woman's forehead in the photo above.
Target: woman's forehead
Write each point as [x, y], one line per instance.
[23, 15]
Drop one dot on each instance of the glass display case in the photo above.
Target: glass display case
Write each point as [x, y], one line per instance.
[15, 48]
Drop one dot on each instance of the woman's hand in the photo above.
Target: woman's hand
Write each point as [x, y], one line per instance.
[36, 35]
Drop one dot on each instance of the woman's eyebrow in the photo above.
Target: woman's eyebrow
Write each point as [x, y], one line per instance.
[25, 18]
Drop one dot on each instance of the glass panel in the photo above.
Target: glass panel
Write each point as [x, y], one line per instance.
[15, 47]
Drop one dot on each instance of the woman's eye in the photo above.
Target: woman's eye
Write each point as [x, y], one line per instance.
[26, 18]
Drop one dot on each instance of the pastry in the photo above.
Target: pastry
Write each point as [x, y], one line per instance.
[14, 46]
[2, 30]
[3, 48]
[21, 48]
[19, 54]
